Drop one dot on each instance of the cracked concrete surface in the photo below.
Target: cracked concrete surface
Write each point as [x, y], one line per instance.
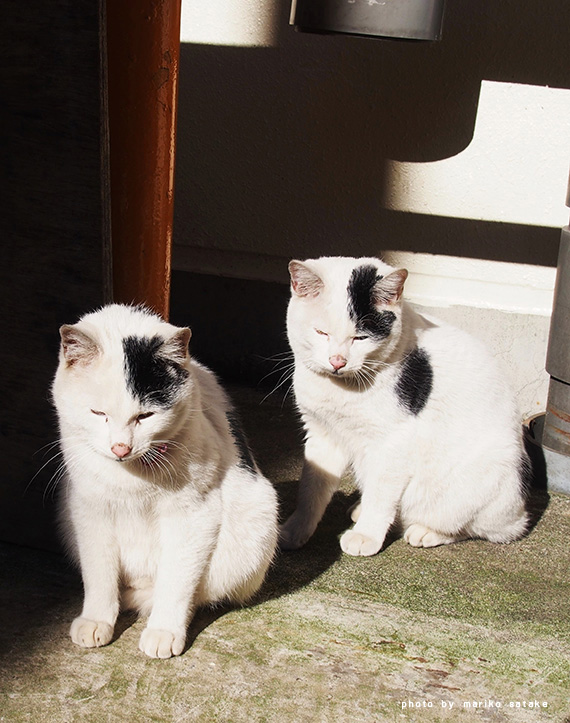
[408, 635]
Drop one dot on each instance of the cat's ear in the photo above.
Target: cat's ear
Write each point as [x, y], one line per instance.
[77, 346]
[390, 288]
[304, 282]
[177, 346]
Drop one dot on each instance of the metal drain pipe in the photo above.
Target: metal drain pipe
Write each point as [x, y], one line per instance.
[556, 435]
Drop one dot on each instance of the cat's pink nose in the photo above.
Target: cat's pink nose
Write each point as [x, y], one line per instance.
[337, 362]
[121, 450]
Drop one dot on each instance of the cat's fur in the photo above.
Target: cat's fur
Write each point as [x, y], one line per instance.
[418, 409]
[163, 505]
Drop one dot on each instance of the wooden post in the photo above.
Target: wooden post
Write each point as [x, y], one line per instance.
[143, 51]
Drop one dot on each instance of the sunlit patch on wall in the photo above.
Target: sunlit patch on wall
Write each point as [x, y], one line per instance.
[515, 170]
[229, 22]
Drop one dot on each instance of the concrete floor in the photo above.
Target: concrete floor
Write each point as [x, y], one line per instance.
[472, 631]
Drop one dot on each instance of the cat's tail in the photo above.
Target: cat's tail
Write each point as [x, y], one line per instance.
[513, 530]
[138, 596]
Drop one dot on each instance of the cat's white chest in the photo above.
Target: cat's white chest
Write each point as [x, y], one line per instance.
[347, 413]
[136, 531]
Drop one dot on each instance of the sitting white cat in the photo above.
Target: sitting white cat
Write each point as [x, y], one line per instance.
[163, 505]
[416, 408]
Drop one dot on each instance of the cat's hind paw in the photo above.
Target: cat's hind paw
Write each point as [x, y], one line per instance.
[359, 545]
[293, 534]
[90, 633]
[161, 643]
[420, 536]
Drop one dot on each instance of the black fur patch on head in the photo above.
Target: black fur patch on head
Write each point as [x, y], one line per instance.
[361, 304]
[152, 377]
[245, 456]
[415, 382]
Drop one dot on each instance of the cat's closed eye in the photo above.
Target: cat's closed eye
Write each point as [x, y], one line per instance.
[322, 333]
[359, 338]
[98, 413]
[144, 415]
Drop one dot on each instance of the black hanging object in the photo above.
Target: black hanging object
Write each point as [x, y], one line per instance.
[392, 19]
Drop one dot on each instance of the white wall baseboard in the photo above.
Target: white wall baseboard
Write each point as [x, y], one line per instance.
[506, 305]
[437, 280]
[434, 280]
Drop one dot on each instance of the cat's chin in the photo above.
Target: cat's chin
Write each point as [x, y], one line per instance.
[344, 374]
[339, 373]
[124, 461]
[347, 378]
[136, 458]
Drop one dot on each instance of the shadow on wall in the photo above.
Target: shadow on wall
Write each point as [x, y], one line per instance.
[284, 147]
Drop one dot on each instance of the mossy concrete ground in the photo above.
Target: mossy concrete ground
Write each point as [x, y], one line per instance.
[408, 635]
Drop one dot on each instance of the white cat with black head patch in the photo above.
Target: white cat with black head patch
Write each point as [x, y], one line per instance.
[163, 505]
[417, 409]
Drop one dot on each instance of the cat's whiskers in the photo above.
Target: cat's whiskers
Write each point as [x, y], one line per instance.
[160, 464]
[40, 470]
[286, 378]
[67, 464]
[284, 364]
[53, 483]
[286, 368]
[367, 373]
[361, 379]
[47, 447]
[169, 470]
[155, 459]
[60, 468]
[280, 356]
[173, 443]
[163, 468]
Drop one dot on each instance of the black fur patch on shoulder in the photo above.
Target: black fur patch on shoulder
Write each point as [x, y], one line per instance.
[415, 382]
[152, 377]
[245, 455]
[361, 307]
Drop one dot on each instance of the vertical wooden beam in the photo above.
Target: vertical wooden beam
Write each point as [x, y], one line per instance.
[143, 51]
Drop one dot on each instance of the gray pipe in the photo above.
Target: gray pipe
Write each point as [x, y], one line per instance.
[556, 435]
[405, 19]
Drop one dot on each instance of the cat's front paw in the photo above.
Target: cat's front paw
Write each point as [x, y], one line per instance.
[90, 633]
[359, 545]
[293, 534]
[161, 643]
